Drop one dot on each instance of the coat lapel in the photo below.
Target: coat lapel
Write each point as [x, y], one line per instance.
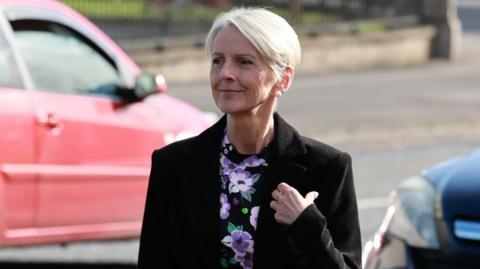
[287, 164]
[199, 179]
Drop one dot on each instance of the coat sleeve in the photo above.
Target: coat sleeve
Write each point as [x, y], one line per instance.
[331, 239]
[155, 243]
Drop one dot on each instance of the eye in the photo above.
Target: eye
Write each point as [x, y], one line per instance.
[245, 62]
[217, 61]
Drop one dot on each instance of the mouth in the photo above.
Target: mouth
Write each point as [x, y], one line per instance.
[230, 91]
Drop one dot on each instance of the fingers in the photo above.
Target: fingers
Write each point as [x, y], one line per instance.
[284, 197]
[277, 195]
[311, 196]
[284, 187]
[288, 203]
[274, 205]
[286, 191]
[279, 215]
[281, 218]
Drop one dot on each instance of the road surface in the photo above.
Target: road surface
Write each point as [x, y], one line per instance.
[393, 122]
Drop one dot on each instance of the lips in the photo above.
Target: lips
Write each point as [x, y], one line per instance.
[229, 90]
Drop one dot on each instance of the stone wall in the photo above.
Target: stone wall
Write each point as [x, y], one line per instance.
[184, 62]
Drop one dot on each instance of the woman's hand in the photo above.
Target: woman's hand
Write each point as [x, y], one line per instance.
[288, 203]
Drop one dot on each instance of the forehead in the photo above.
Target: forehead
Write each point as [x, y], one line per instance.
[230, 40]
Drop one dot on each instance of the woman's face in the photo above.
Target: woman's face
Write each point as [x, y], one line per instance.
[240, 79]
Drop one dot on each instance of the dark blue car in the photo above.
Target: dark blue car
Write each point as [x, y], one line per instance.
[433, 221]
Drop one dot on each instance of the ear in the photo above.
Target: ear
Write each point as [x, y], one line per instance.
[285, 81]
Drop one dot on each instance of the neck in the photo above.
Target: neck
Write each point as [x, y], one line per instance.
[250, 133]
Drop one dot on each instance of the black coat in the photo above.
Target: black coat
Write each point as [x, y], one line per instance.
[181, 225]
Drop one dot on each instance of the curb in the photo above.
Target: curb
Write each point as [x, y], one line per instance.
[401, 136]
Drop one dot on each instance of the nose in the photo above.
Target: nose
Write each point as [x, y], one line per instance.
[227, 71]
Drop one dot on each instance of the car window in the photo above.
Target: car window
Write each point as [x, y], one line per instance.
[61, 60]
[9, 74]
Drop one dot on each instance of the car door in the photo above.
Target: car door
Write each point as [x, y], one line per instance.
[93, 148]
[17, 149]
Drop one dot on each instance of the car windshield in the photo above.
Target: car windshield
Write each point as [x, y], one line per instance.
[60, 60]
[9, 76]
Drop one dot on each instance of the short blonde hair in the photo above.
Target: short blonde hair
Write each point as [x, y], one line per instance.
[269, 33]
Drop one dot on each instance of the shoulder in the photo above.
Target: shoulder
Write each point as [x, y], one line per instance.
[331, 174]
[324, 154]
[204, 144]
[174, 153]
[200, 145]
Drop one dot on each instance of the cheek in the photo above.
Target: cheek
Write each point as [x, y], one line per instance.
[213, 79]
[213, 75]
[215, 94]
[266, 83]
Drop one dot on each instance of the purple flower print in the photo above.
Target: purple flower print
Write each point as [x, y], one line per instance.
[225, 209]
[242, 245]
[227, 167]
[254, 216]
[241, 241]
[240, 182]
[252, 161]
[224, 180]
[243, 182]
[245, 259]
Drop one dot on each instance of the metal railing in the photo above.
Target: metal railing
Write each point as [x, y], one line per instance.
[137, 19]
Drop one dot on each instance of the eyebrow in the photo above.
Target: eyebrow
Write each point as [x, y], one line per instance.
[247, 55]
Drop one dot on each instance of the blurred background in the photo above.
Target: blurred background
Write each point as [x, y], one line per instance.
[393, 82]
[167, 36]
[129, 19]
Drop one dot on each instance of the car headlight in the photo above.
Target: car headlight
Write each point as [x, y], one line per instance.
[414, 218]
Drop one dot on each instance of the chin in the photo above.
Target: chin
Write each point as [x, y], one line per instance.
[229, 108]
[233, 111]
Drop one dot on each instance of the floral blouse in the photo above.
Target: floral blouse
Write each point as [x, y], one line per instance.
[240, 176]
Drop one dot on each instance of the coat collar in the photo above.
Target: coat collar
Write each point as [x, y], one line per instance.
[287, 164]
[199, 180]
[286, 144]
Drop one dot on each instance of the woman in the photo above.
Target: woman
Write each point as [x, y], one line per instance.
[250, 192]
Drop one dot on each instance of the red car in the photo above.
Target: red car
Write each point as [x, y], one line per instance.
[78, 123]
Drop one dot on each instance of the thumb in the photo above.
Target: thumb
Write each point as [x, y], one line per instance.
[311, 196]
